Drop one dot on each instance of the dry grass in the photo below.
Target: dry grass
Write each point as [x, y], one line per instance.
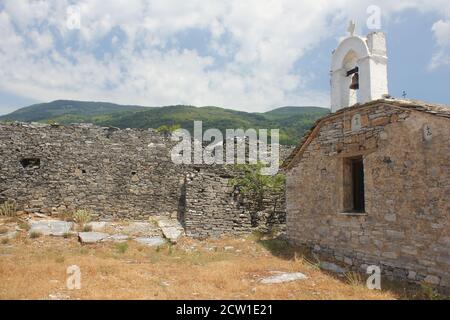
[36, 269]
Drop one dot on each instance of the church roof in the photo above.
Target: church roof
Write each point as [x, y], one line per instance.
[434, 109]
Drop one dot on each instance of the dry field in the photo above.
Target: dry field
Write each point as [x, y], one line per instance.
[228, 268]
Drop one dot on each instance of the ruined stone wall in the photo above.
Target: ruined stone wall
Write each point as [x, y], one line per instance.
[122, 174]
[115, 173]
[214, 206]
[405, 228]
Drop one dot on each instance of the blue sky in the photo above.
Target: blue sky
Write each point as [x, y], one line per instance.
[247, 55]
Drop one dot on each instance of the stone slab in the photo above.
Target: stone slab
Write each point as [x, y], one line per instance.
[328, 266]
[8, 235]
[92, 237]
[50, 227]
[152, 241]
[97, 225]
[118, 238]
[139, 229]
[171, 229]
[284, 277]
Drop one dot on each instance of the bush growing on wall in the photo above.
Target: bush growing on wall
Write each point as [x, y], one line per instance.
[252, 184]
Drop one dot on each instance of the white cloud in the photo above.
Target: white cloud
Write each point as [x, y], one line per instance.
[129, 52]
[441, 30]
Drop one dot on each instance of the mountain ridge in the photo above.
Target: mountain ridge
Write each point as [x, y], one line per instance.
[292, 121]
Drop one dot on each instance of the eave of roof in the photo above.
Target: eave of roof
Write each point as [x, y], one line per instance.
[434, 109]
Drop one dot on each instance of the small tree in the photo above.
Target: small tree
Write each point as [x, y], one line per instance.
[253, 184]
[167, 129]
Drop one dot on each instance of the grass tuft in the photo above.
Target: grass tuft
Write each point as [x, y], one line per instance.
[35, 234]
[82, 217]
[354, 279]
[8, 209]
[122, 247]
[429, 292]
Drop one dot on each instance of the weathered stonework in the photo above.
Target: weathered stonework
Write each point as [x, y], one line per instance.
[115, 173]
[406, 154]
[208, 189]
[121, 174]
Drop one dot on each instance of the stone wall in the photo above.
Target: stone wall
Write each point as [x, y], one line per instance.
[208, 189]
[405, 227]
[115, 173]
[122, 174]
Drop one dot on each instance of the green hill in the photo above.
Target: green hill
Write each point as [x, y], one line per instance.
[292, 121]
[68, 111]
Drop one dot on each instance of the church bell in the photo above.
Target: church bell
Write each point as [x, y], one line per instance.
[355, 82]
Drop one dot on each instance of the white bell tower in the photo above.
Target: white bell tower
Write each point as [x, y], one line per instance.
[358, 70]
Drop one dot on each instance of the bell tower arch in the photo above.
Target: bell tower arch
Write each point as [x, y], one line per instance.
[359, 70]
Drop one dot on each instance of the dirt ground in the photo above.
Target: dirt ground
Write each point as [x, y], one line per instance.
[229, 268]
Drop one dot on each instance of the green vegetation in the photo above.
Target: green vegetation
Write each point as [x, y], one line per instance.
[254, 185]
[8, 209]
[168, 129]
[35, 234]
[122, 247]
[82, 218]
[68, 111]
[292, 121]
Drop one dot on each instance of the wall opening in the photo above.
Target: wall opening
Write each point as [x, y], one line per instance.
[351, 78]
[354, 199]
[30, 163]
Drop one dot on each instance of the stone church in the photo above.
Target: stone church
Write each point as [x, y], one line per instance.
[369, 184]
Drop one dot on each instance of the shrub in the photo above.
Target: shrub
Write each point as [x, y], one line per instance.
[122, 247]
[34, 235]
[82, 217]
[167, 129]
[24, 225]
[354, 279]
[252, 184]
[428, 292]
[8, 209]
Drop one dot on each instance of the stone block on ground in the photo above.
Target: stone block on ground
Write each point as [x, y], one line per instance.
[50, 227]
[118, 238]
[284, 277]
[152, 241]
[8, 235]
[433, 280]
[141, 229]
[91, 237]
[171, 228]
[328, 266]
[97, 225]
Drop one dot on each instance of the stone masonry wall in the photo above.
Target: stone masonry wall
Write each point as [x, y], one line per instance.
[115, 173]
[209, 188]
[121, 174]
[405, 228]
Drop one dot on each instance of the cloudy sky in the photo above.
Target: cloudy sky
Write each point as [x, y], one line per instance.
[251, 55]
